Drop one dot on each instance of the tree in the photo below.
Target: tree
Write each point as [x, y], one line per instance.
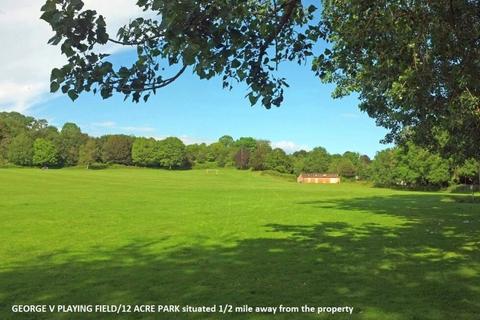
[20, 150]
[145, 152]
[71, 138]
[242, 158]
[88, 153]
[259, 155]
[117, 149]
[248, 143]
[235, 40]
[298, 160]
[45, 153]
[410, 166]
[279, 161]
[13, 124]
[226, 140]
[49, 133]
[415, 65]
[346, 168]
[220, 153]
[334, 161]
[438, 171]
[363, 169]
[384, 168]
[419, 167]
[197, 153]
[317, 160]
[172, 153]
[469, 171]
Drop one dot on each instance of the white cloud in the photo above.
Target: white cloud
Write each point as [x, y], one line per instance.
[105, 124]
[137, 129]
[289, 146]
[192, 140]
[119, 128]
[27, 58]
[186, 139]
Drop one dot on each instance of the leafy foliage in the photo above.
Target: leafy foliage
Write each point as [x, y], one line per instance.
[71, 138]
[259, 155]
[89, 153]
[242, 158]
[20, 151]
[410, 166]
[45, 153]
[172, 153]
[416, 65]
[117, 149]
[242, 41]
[317, 160]
[145, 152]
[278, 161]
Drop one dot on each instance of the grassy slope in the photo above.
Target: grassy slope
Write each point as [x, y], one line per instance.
[149, 236]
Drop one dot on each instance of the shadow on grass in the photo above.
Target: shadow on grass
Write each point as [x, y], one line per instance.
[427, 269]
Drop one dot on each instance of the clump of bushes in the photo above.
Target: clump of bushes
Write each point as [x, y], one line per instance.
[97, 166]
[286, 176]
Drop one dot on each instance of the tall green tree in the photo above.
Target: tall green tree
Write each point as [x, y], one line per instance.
[248, 143]
[469, 171]
[298, 161]
[384, 168]
[117, 149]
[88, 153]
[346, 168]
[220, 153]
[415, 65]
[145, 152]
[226, 140]
[20, 150]
[259, 155]
[197, 153]
[71, 138]
[242, 158]
[317, 160]
[45, 153]
[13, 124]
[172, 153]
[364, 169]
[279, 161]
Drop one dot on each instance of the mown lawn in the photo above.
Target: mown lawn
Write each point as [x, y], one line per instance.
[140, 236]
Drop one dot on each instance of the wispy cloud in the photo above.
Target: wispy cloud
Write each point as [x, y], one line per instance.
[186, 139]
[26, 64]
[111, 125]
[289, 146]
[105, 124]
[138, 129]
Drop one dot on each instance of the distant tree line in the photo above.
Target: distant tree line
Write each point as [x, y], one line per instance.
[26, 141]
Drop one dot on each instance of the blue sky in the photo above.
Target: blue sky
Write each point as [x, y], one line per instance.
[202, 111]
[192, 109]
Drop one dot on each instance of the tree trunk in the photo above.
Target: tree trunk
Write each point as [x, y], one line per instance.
[479, 176]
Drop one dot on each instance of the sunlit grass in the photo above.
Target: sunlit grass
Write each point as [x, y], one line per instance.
[138, 236]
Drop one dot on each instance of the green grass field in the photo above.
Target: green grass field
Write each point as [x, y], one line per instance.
[136, 236]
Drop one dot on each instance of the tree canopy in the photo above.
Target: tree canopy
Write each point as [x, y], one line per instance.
[415, 64]
[237, 40]
[27, 141]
